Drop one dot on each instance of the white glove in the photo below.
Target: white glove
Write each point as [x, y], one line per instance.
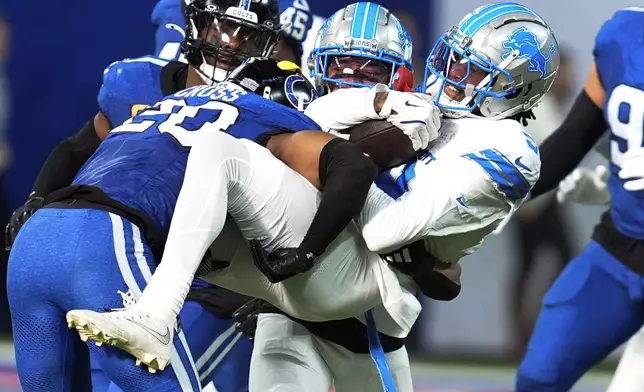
[633, 169]
[344, 108]
[415, 114]
[585, 186]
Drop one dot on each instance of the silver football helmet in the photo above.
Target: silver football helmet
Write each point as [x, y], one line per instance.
[498, 62]
[360, 45]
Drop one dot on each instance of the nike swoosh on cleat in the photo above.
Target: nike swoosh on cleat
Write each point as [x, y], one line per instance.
[163, 339]
[461, 201]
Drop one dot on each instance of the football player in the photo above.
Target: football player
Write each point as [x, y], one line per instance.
[117, 218]
[595, 304]
[476, 71]
[498, 161]
[168, 20]
[219, 353]
[243, 206]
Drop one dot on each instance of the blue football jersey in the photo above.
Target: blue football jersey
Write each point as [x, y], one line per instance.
[129, 86]
[142, 163]
[296, 20]
[619, 56]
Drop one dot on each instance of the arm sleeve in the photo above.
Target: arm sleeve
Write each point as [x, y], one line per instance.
[66, 160]
[201, 208]
[562, 151]
[457, 201]
[346, 175]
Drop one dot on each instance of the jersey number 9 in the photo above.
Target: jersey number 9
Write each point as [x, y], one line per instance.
[625, 113]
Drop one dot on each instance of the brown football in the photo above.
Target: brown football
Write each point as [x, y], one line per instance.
[386, 144]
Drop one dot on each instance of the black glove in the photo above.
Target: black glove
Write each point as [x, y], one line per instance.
[282, 263]
[408, 258]
[415, 261]
[18, 219]
[246, 317]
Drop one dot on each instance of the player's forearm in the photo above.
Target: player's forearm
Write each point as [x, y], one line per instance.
[566, 147]
[66, 160]
[346, 175]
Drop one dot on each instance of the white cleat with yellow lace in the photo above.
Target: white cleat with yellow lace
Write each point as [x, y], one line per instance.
[145, 337]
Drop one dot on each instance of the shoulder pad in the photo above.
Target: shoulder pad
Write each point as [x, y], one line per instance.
[128, 84]
[617, 28]
[615, 47]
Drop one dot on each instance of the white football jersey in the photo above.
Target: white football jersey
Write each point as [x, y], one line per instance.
[272, 203]
[473, 177]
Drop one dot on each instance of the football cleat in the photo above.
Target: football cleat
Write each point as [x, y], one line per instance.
[148, 339]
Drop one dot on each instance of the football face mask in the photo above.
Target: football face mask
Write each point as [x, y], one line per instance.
[350, 71]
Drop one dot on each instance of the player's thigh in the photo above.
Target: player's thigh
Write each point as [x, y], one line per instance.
[285, 358]
[49, 356]
[593, 307]
[221, 354]
[122, 370]
[116, 270]
[358, 373]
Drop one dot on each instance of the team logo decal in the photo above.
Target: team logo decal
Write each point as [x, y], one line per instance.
[524, 41]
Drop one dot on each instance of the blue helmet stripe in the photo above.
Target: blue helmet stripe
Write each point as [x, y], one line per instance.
[358, 20]
[488, 14]
[244, 4]
[372, 21]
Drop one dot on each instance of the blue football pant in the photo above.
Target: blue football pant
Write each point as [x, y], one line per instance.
[593, 307]
[67, 259]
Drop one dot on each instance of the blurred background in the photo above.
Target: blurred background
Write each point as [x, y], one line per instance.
[51, 64]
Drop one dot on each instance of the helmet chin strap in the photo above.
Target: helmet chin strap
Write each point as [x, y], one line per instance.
[210, 74]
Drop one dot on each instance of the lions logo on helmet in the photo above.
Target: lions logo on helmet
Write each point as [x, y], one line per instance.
[524, 41]
[498, 62]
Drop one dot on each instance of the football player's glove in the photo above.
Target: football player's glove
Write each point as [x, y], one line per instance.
[437, 280]
[19, 218]
[633, 169]
[282, 263]
[585, 186]
[245, 318]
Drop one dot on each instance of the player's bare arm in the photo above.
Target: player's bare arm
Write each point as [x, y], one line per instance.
[562, 151]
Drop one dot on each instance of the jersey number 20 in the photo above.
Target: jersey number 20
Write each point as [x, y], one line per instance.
[172, 116]
[625, 112]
